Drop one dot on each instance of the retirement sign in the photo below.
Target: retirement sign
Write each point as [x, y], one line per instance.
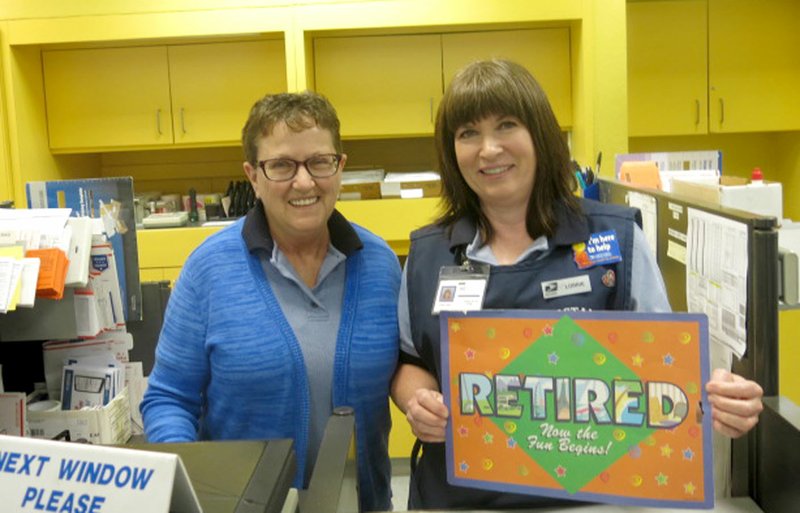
[603, 407]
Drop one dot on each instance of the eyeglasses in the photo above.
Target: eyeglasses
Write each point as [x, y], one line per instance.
[283, 169]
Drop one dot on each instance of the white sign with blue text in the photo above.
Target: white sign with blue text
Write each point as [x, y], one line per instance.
[47, 476]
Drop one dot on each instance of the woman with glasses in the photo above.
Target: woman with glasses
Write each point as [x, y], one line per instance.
[286, 314]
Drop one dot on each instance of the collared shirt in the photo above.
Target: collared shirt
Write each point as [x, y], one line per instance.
[648, 292]
[313, 313]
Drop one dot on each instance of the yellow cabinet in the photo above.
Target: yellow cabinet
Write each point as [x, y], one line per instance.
[754, 65]
[150, 97]
[381, 85]
[384, 86]
[667, 68]
[107, 97]
[545, 52]
[713, 66]
[214, 85]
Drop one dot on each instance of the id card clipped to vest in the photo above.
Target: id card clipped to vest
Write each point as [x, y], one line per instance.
[461, 288]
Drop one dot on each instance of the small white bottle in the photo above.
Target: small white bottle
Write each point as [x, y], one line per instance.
[756, 178]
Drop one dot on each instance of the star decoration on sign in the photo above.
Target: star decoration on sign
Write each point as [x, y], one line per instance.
[463, 431]
[511, 443]
[688, 454]
[666, 450]
[488, 438]
[552, 358]
[637, 360]
[547, 330]
[470, 354]
[668, 360]
[455, 326]
[662, 479]
[463, 467]
[689, 488]
[561, 471]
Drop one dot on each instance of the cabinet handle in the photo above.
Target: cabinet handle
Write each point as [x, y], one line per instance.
[158, 121]
[721, 111]
[697, 112]
[431, 108]
[183, 122]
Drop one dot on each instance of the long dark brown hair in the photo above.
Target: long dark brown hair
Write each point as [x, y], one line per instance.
[503, 88]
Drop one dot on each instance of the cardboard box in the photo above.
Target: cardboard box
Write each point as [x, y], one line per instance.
[361, 185]
[110, 424]
[764, 199]
[426, 184]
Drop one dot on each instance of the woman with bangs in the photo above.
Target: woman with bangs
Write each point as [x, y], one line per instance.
[510, 213]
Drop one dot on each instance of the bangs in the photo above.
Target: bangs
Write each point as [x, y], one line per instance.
[481, 94]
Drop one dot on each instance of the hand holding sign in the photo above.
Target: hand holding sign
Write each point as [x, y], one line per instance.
[735, 403]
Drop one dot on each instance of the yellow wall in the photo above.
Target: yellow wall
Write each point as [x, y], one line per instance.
[598, 49]
[788, 168]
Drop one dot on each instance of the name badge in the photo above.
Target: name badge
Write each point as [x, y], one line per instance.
[461, 288]
[566, 286]
[601, 248]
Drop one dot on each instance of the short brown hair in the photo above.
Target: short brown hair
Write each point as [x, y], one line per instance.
[299, 111]
[503, 88]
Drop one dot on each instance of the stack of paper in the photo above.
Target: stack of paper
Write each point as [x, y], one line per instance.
[52, 272]
[114, 345]
[11, 265]
[40, 235]
[85, 385]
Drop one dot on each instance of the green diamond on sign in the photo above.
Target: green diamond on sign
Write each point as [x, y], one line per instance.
[559, 428]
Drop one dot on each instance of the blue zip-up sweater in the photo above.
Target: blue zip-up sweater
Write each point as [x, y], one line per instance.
[228, 365]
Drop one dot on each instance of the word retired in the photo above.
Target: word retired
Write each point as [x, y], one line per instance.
[619, 403]
[77, 471]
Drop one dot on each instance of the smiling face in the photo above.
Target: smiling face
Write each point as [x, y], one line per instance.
[298, 209]
[497, 159]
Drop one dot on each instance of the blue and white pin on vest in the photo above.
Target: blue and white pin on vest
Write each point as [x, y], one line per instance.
[601, 248]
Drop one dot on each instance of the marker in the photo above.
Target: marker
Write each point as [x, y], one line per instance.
[581, 182]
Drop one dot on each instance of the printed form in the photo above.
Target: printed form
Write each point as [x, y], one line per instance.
[716, 276]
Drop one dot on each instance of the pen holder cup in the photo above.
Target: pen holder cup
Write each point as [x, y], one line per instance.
[592, 191]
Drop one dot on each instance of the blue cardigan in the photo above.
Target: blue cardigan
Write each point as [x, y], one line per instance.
[228, 365]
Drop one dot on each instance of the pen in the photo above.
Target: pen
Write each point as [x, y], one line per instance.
[599, 160]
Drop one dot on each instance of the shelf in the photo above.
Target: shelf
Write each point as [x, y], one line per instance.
[164, 250]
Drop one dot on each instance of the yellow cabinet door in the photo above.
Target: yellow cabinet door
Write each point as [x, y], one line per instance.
[544, 52]
[667, 68]
[110, 97]
[754, 65]
[381, 85]
[215, 85]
